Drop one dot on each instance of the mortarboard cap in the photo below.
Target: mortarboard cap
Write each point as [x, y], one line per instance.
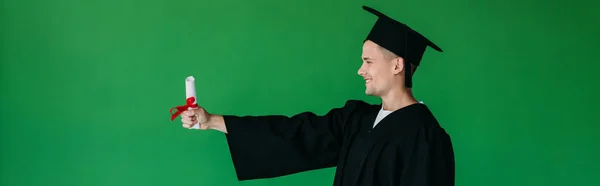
[399, 39]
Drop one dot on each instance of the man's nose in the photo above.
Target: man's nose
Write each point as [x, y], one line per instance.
[361, 71]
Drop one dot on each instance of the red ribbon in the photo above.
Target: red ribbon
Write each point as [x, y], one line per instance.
[180, 109]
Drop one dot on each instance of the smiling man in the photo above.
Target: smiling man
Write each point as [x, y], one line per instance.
[397, 142]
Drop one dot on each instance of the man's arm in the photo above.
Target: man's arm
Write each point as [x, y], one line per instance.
[216, 122]
[277, 145]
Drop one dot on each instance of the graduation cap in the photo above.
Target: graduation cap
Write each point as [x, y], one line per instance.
[399, 39]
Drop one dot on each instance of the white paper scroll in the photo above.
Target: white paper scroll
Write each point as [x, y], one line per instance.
[190, 91]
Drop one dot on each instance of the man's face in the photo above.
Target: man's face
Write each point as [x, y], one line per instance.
[377, 71]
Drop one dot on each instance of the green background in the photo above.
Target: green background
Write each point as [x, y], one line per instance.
[86, 86]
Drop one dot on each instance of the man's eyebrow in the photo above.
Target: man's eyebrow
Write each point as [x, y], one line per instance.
[366, 58]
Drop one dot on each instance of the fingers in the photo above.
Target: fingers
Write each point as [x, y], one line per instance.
[188, 123]
[188, 118]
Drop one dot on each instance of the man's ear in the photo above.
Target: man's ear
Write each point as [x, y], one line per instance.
[398, 65]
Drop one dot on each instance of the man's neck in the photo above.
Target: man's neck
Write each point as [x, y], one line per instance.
[397, 99]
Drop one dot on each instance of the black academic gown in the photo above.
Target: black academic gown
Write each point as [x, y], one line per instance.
[406, 148]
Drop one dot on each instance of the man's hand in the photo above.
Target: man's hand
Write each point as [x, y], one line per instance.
[191, 117]
[206, 120]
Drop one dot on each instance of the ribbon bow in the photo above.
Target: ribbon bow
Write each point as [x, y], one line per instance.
[189, 104]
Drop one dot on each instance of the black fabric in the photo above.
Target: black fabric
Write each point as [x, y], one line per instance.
[407, 148]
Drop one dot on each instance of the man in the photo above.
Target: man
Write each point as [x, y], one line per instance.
[398, 142]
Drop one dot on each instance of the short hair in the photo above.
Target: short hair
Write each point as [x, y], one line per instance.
[388, 55]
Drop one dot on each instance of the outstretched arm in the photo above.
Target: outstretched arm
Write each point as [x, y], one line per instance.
[277, 145]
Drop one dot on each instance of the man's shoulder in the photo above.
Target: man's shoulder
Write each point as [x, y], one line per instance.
[417, 115]
[424, 113]
[426, 120]
[360, 105]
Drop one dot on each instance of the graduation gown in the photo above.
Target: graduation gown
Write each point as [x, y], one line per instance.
[407, 148]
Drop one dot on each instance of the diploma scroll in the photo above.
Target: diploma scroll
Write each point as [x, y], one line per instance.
[190, 92]
[190, 98]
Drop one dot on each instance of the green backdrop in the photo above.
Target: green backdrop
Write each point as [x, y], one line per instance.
[86, 86]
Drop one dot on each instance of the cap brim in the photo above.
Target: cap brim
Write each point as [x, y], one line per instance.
[381, 15]
[373, 11]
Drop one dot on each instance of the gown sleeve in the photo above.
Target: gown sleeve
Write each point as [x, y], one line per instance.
[428, 160]
[276, 145]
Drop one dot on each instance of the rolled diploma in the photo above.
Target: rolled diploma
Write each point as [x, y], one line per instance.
[190, 91]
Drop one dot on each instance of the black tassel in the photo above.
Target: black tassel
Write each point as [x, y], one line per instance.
[407, 74]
